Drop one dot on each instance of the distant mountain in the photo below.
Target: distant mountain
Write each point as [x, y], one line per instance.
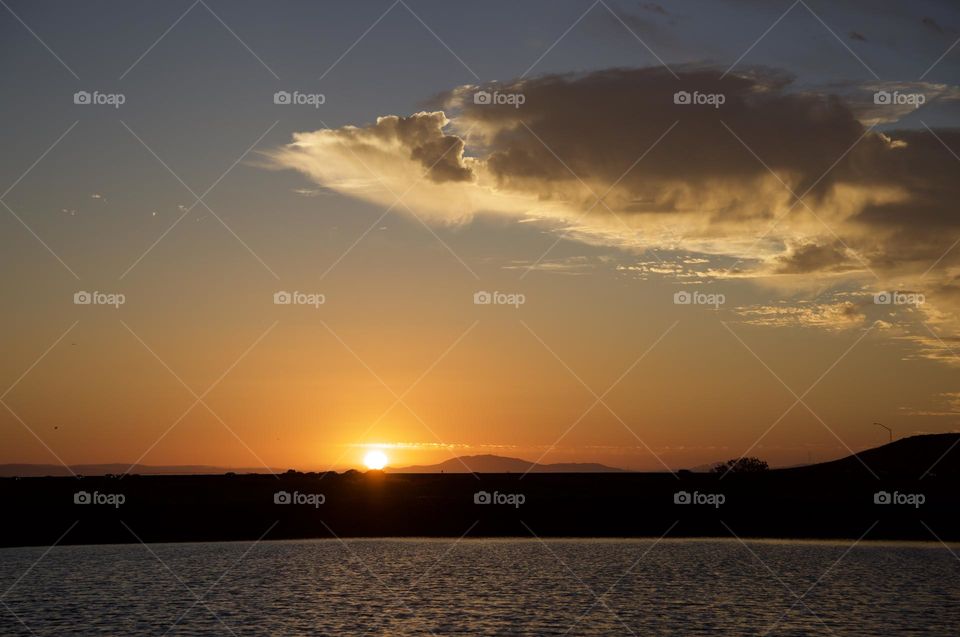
[938, 454]
[40, 470]
[499, 464]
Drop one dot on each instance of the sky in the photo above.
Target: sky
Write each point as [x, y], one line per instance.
[499, 226]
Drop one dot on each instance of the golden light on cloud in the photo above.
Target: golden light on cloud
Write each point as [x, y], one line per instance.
[792, 188]
[375, 459]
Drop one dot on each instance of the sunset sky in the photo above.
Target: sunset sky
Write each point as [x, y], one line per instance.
[783, 211]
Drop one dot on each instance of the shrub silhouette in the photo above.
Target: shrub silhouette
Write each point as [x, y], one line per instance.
[741, 465]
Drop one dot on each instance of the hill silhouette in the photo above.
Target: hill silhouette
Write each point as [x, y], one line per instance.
[907, 458]
[488, 463]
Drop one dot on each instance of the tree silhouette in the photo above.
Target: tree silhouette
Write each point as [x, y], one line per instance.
[741, 465]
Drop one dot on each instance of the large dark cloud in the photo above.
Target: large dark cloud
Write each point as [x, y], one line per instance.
[874, 190]
[714, 173]
[879, 210]
[600, 123]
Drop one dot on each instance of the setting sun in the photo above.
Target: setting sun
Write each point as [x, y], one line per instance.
[375, 460]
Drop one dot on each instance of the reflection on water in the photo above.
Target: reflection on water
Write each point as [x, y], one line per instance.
[482, 587]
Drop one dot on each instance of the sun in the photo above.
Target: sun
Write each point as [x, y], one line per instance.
[375, 459]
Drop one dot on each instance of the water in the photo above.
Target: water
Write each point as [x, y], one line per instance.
[482, 587]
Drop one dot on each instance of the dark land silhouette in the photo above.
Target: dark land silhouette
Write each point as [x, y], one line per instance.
[906, 490]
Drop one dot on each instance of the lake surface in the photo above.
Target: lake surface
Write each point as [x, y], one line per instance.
[482, 587]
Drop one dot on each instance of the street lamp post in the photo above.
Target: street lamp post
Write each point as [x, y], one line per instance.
[889, 430]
